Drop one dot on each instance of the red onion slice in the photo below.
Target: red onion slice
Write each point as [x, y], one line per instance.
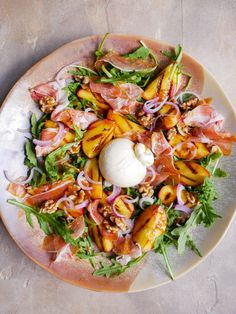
[130, 225]
[129, 200]
[22, 182]
[55, 140]
[88, 178]
[187, 92]
[93, 211]
[150, 173]
[81, 205]
[116, 191]
[67, 200]
[147, 107]
[81, 177]
[115, 212]
[183, 208]
[180, 189]
[145, 199]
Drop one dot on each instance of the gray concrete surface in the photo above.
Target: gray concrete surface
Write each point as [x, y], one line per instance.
[29, 30]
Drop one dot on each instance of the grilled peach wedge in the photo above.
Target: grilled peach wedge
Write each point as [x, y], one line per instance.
[92, 170]
[104, 244]
[202, 150]
[167, 194]
[98, 134]
[173, 117]
[149, 225]
[191, 173]
[123, 125]
[123, 208]
[87, 95]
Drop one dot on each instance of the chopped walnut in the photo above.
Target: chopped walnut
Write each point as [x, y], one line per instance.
[182, 128]
[146, 190]
[146, 121]
[81, 196]
[75, 148]
[190, 104]
[171, 132]
[109, 227]
[48, 207]
[111, 220]
[47, 104]
[192, 199]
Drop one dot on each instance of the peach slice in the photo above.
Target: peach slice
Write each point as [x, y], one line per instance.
[104, 244]
[123, 208]
[92, 170]
[87, 95]
[202, 149]
[167, 194]
[173, 118]
[98, 134]
[123, 124]
[149, 225]
[191, 173]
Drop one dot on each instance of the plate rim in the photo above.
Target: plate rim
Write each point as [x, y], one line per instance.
[197, 262]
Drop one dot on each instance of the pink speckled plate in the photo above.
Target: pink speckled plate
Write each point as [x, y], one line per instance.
[15, 114]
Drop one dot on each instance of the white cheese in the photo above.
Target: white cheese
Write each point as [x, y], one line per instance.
[121, 165]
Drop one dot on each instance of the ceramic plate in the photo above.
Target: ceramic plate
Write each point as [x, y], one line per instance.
[15, 114]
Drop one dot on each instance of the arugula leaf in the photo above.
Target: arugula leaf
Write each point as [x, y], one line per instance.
[99, 51]
[140, 53]
[30, 156]
[220, 173]
[206, 161]
[160, 247]
[132, 118]
[175, 54]
[34, 125]
[50, 161]
[37, 125]
[114, 268]
[78, 133]
[55, 223]
[184, 232]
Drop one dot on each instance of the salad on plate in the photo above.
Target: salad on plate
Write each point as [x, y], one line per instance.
[121, 161]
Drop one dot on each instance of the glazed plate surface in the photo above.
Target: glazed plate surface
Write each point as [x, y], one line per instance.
[15, 113]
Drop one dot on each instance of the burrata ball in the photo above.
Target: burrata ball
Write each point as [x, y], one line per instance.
[119, 164]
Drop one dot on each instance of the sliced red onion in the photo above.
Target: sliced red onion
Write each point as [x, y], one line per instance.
[88, 178]
[187, 92]
[88, 110]
[107, 184]
[130, 225]
[22, 182]
[115, 212]
[150, 170]
[148, 106]
[93, 211]
[180, 189]
[66, 69]
[81, 177]
[116, 191]
[55, 140]
[129, 200]
[145, 199]
[63, 160]
[67, 200]
[183, 208]
[81, 205]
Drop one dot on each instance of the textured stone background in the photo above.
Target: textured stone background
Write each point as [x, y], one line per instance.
[29, 30]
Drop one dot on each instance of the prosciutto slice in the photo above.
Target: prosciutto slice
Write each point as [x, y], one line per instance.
[118, 96]
[71, 117]
[42, 90]
[127, 64]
